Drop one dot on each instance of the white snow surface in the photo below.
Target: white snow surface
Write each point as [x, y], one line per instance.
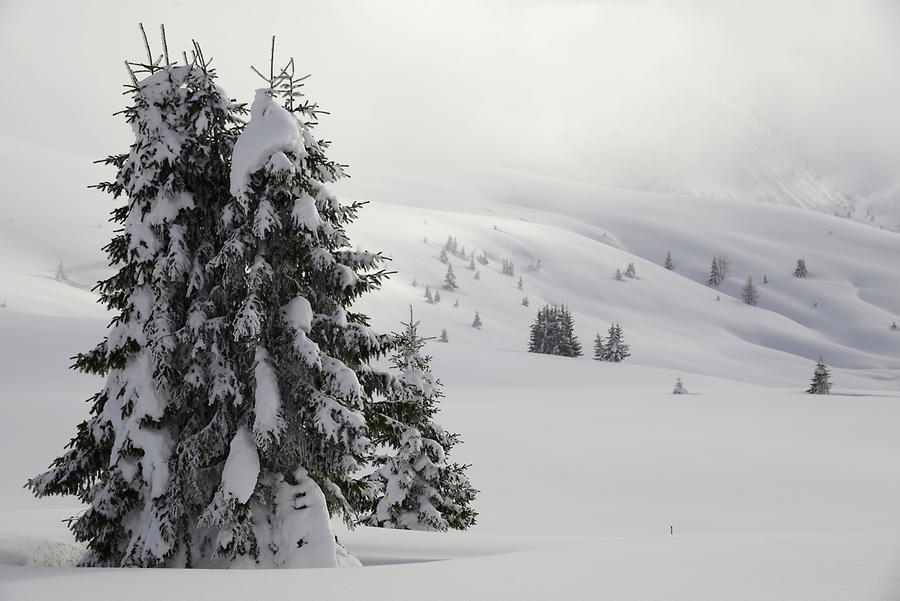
[583, 466]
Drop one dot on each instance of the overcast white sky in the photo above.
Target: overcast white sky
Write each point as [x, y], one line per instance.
[574, 89]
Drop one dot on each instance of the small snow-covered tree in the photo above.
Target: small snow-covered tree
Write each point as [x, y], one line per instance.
[679, 386]
[418, 487]
[415, 283]
[525, 301]
[765, 279]
[508, 268]
[667, 262]
[749, 293]
[520, 285]
[443, 256]
[61, 275]
[428, 296]
[894, 326]
[630, 271]
[553, 332]
[618, 276]
[800, 270]
[472, 262]
[443, 337]
[821, 380]
[476, 323]
[724, 264]
[437, 296]
[715, 275]
[477, 275]
[456, 303]
[615, 349]
[450, 279]
[599, 347]
[482, 258]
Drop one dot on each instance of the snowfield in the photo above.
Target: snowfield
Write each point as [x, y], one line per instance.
[596, 481]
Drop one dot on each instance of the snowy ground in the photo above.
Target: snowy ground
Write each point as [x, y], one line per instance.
[583, 467]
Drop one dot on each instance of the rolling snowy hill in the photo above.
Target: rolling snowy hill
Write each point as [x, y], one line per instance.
[583, 466]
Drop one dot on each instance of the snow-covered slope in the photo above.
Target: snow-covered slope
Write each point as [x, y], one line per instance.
[583, 466]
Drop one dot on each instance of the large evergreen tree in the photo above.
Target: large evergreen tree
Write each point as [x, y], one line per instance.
[418, 488]
[123, 460]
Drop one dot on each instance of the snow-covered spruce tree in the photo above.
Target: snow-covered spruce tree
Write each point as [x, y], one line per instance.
[821, 381]
[749, 294]
[147, 459]
[437, 296]
[618, 276]
[520, 285]
[615, 349]
[800, 271]
[477, 275]
[599, 347]
[443, 258]
[893, 327]
[477, 323]
[61, 275]
[418, 488]
[552, 333]
[291, 373]
[715, 276]
[415, 283]
[526, 302]
[456, 303]
[428, 297]
[472, 262]
[679, 386]
[444, 337]
[450, 279]
[630, 271]
[668, 263]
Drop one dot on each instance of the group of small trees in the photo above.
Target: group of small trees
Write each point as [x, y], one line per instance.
[553, 332]
[630, 272]
[508, 267]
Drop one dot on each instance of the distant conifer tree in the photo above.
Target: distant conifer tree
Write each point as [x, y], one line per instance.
[821, 381]
[749, 294]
